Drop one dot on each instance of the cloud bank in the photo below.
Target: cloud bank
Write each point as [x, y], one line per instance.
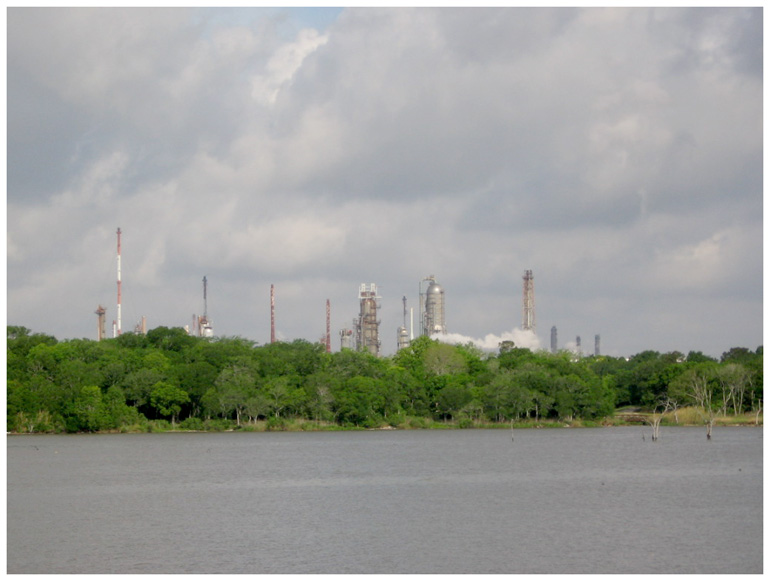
[615, 152]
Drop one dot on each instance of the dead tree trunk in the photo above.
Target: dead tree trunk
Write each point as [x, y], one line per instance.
[656, 417]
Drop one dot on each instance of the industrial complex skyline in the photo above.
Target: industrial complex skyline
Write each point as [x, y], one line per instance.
[615, 153]
[364, 333]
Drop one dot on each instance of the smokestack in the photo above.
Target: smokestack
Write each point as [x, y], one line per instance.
[528, 306]
[328, 327]
[597, 340]
[554, 342]
[205, 300]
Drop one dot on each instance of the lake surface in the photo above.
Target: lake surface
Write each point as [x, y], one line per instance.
[599, 500]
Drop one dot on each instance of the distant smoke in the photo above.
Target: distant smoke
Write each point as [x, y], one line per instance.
[520, 337]
[572, 347]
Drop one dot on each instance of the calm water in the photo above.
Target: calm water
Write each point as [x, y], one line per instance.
[553, 501]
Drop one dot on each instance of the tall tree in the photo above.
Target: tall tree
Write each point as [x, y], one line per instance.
[168, 399]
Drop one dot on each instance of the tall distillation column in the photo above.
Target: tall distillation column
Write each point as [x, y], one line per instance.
[528, 308]
[367, 326]
[432, 310]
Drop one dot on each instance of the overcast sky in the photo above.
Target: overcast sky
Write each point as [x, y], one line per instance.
[616, 153]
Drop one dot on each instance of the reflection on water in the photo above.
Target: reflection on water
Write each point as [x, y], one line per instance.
[471, 501]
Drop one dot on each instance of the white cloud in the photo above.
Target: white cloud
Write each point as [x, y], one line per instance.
[284, 64]
[614, 152]
[98, 186]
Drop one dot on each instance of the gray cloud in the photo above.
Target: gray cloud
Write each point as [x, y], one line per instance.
[616, 152]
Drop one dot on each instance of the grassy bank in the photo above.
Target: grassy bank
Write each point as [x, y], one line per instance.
[680, 417]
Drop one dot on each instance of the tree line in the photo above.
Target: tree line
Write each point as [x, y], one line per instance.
[167, 376]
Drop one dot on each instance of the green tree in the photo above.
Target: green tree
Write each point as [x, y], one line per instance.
[319, 389]
[256, 406]
[173, 339]
[452, 398]
[119, 413]
[167, 399]
[89, 413]
[734, 380]
[235, 385]
[195, 378]
[139, 384]
[496, 395]
[412, 357]
[409, 392]
[361, 401]
[444, 359]
[277, 391]
[522, 400]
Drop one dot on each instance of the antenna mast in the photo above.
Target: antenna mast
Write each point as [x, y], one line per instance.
[204, 325]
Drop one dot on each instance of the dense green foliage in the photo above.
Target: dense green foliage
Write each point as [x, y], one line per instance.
[196, 383]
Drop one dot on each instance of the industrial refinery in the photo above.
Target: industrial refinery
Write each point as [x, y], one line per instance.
[368, 324]
[364, 332]
[432, 312]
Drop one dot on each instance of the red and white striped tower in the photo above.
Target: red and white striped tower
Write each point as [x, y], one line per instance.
[117, 328]
[272, 314]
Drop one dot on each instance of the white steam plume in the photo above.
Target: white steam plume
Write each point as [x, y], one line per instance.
[520, 337]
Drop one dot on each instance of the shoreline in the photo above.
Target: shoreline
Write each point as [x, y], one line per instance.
[161, 427]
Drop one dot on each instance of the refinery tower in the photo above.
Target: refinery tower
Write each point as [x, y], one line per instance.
[367, 325]
[432, 311]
